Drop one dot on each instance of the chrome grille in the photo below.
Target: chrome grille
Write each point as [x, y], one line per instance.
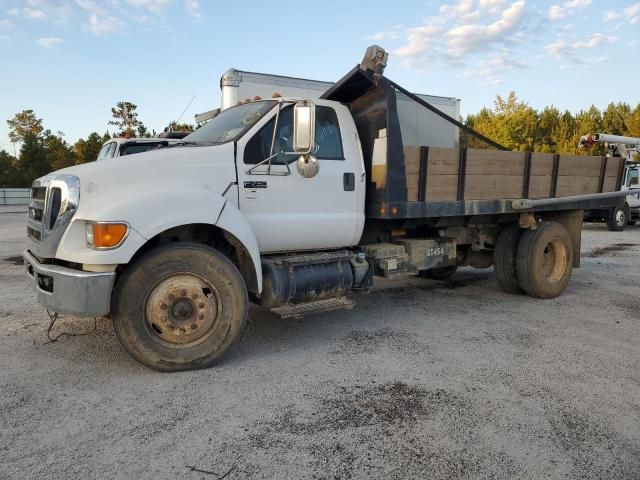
[54, 200]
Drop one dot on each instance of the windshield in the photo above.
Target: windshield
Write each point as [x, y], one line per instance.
[230, 124]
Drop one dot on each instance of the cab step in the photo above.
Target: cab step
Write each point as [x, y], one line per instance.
[302, 309]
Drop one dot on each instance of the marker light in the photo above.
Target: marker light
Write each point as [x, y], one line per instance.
[106, 235]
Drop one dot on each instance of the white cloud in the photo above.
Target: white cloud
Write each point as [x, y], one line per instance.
[5, 24]
[610, 15]
[556, 12]
[471, 37]
[14, 12]
[632, 12]
[571, 4]
[34, 13]
[493, 68]
[193, 7]
[99, 20]
[469, 34]
[49, 42]
[569, 53]
[560, 11]
[99, 24]
[154, 6]
[595, 40]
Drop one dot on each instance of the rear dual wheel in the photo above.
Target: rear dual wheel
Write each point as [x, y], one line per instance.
[536, 262]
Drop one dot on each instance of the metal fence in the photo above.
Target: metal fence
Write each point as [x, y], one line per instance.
[14, 196]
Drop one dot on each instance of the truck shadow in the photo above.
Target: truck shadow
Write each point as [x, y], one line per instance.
[266, 334]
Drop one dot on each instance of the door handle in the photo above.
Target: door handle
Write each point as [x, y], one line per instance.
[349, 181]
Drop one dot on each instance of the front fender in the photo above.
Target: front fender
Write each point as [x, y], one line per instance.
[233, 221]
[152, 214]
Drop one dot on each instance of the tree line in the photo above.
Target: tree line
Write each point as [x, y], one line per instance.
[518, 126]
[511, 122]
[41, 151]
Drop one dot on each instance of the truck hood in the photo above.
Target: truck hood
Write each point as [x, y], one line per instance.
[114, 185]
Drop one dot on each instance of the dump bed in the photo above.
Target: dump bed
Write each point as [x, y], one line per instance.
[417, 181]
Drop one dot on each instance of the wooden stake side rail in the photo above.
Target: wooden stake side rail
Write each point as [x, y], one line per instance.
[453, 174]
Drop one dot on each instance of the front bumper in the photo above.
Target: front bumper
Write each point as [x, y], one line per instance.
[65, 290]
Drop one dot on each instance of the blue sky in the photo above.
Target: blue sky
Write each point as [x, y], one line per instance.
[72, 60]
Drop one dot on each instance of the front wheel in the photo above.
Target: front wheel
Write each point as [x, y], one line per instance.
[179, 307]
[617, 220]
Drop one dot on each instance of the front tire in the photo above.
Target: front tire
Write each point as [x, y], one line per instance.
[617, 221]
[179, 307]
[545, 260]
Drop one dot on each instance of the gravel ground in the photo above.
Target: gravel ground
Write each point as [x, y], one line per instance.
[421, 380]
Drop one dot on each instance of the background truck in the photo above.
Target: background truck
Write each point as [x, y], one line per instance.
[292, 204]
[419, 125]
[628, 213]
[118, 147]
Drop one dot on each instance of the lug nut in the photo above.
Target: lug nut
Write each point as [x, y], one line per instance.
[201, 305]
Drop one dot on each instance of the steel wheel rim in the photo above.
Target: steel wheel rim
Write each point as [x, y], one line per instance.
[182, 310]
[620, 218]
[554, 260]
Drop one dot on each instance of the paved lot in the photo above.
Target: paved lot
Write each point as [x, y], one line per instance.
[421, 380]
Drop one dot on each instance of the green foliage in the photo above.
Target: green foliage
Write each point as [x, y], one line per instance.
[33, 161]
[59, 153]
[179, 127]
[8, 171]
[518, 126]
[125, 118]
[87, 150]
[24, 124]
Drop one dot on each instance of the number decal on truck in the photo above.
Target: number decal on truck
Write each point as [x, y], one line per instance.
[255, 184]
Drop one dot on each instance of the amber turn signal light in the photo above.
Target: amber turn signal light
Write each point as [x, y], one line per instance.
[106, 235]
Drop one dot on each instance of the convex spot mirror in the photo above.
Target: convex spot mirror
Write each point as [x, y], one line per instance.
[304, 127]
[308, 166]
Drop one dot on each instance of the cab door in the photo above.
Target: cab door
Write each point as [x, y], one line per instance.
[632, 185]
[289, 212]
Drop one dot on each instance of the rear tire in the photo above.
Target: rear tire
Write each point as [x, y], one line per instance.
[618, 219]
[545, 260]
[504, 258]
[180, 307]
[442, 273]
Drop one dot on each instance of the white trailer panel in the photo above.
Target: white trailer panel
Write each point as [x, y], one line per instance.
[419, 126]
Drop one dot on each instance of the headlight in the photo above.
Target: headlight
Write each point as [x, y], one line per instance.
[106, 235]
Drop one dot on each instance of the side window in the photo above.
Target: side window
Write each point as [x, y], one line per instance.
[632, 179]
[112, 150]
[106, 151]
[259, 147]
[328, 139]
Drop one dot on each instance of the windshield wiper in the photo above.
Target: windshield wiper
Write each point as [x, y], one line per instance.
[194, 144]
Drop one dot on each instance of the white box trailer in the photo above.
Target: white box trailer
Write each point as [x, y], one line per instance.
[419, 126]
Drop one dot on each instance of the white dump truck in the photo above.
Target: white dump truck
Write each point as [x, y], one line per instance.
[292, 203]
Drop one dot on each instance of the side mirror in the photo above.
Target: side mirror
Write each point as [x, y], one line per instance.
[304, 127]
